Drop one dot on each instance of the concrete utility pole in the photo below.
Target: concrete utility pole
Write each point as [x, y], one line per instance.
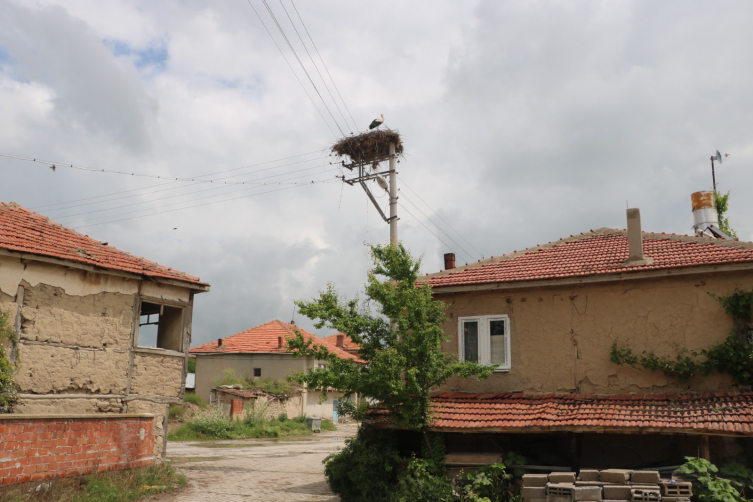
[393, 196]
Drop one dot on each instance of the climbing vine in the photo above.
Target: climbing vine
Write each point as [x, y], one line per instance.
[733, 356]
[8, 396]
[722, 205]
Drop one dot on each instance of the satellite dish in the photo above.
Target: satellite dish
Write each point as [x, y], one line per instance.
[383, 184]
[718, 157]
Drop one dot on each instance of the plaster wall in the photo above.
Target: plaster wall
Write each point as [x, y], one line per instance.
[561, 336]
[76, 338]
[209, 368]
[325, 409]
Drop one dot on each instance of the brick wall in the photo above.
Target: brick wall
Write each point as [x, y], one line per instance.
[35, 447]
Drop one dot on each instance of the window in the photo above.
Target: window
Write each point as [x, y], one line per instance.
[257, 372]
[485, 340]
[160, 326]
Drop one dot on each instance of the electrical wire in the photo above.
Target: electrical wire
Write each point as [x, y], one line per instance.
[182, 202]
[325, 66]
[402, 181]
[197, 205]
[291, 69]
[438, 227]
[427, 228]
[253, 182]
[315, 66]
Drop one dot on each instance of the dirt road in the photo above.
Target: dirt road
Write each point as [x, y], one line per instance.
[285, 470]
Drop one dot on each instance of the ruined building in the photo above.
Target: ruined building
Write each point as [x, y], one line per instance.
[99, 329]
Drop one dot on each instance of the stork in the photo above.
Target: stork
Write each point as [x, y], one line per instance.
[377, 121]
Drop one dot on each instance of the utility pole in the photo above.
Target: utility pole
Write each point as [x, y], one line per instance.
[393, 196]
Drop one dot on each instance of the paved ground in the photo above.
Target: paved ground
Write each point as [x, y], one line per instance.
[288, 469]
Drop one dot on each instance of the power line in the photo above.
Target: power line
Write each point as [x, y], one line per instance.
[176, 203]
[197, 205]
[438, 227]
[109, 171]
[255, 182]
[325, 66]
[438, 216]
[291, 69]
[427, 228]
[315, 66]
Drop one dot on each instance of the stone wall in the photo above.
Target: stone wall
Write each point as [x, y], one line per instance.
[561, 336]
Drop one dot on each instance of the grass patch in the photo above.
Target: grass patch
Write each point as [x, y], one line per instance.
[193, 398]
[276, 387]
[213, 424]
[114, 486]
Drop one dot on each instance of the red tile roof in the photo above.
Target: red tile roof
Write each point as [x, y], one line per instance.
[348, 343]
[264, 338]
[597, 252]
[25, 231]
[720, 412]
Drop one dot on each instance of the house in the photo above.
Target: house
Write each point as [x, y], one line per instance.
[261, 352]
[548, 316]
[344, 342]
[99, 330]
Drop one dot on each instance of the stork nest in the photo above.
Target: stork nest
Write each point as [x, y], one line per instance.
[372, 146]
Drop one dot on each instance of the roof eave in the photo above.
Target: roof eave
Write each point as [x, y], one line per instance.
[596, 278]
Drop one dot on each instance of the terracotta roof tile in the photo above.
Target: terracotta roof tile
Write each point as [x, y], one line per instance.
[719, 411]
[601, 251]
[264, 338]
[25, 231]
[348, 343]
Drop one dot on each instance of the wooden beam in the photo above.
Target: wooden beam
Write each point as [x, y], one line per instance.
[705, 451]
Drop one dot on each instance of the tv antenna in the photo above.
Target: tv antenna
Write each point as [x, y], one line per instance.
[718, 158]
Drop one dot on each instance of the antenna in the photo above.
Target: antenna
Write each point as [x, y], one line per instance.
[718, 158]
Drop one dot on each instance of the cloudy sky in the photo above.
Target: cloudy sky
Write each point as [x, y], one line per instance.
[523, 122]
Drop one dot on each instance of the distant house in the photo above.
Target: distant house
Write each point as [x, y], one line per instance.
[99, 330]
[261, 352]
[547, 317]
[344, 342]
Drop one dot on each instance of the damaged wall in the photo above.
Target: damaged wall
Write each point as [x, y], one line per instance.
[561, 336]
[77, 331]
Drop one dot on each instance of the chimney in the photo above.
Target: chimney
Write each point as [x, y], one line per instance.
[635, 240]
[219, 342]
[292, 323]
[449, 261]
[279, 342]
[340, 340]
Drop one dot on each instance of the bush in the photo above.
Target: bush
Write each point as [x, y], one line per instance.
[491, 483]
[299, 420]
[423, 481]
[191, 365]
[176, 413]
[283, 417]
[195, 399]
[707, 485]
[365, 469]
[256, 413]
[212, 422]
[229, 377]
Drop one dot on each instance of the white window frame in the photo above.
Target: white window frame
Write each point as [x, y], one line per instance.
[484, 339]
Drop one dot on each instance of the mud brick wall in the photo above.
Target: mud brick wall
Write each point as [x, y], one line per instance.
[33, 448]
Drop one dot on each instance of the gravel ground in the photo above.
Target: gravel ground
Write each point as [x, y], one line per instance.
[288, 469]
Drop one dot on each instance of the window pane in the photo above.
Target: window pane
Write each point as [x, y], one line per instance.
[470, 341]
[498, 342]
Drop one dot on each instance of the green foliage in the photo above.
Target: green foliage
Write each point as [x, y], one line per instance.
[192, 365]
[212, 422]
[195, 399]
[276, 387]
[722, 206]
[422, 482]
[733, 356]
[365, 470]
[176, 413]
[491, 483]
[708, 486]
[8, 395]
[404, 363]
[229, 377]
[741, 478]
[283, 417]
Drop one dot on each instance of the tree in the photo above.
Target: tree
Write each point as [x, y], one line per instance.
[8, 395]
[722, 205]
[405, 360]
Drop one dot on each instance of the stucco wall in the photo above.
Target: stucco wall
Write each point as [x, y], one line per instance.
[275, 366]
[561, 337]
[77, 339]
